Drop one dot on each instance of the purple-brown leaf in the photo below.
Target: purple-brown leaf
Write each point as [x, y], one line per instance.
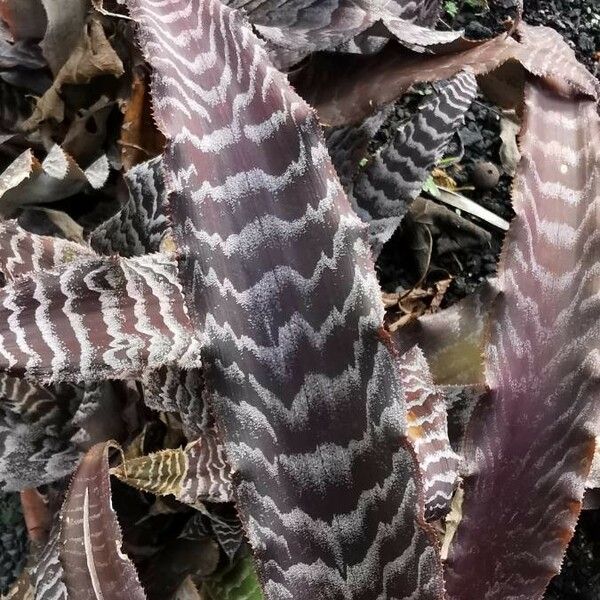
[94, 566]
[530, 442]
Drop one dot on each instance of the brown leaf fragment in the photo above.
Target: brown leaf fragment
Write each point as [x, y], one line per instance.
[140, 138]
[346, 88]
[26, 19]
[50, 222]
[65, 22]
[37, 515]
[93, 55]
[90, 537]
[403, 308]
[21, 589]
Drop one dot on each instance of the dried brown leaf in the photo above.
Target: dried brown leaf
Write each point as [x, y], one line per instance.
[140, 139]
[92, 56]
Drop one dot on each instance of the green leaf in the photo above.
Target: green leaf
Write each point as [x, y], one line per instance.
[237, 582]
[451, 8]
[431, 187]
[447, 161]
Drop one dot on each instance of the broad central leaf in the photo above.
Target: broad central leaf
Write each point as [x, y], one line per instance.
[278, 277]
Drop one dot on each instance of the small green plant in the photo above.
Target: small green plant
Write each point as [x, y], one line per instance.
[451, 8]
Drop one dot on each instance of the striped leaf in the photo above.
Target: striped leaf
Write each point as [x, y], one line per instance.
[191, 474]
[96, 318]
[173, 389]
[279, 280]
[94, 565]
[29, 181]
[142, 224]
[295, 29]
[48, 575]
[35, 450]
[22, 252]
[530, 442]
[383, 190]
[220, 522]
[428, 432]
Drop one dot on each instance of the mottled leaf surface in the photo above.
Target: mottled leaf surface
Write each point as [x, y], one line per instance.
[281, 284]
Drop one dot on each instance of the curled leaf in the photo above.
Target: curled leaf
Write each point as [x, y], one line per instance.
[92, 56]
[90, 538]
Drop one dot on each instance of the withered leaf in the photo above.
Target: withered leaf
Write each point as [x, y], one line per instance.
[92, 56]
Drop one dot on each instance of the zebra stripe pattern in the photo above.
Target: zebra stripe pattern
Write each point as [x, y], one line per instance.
[172, 389]
[142, 224]
[96, 318]
[294, 29]
[22, 252]
[384, 190]
[281, 283]
[428, 432]
[48, 572]
[533, 436]
[195, 473]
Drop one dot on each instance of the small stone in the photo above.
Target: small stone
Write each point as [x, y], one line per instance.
[485, 175]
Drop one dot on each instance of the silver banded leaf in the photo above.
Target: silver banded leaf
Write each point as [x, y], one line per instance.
[428, 432]
[533, 436]
[278, 278]
[141, 225]
[48, 575]
[96, 318]
[385, 188]
[192, 474]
